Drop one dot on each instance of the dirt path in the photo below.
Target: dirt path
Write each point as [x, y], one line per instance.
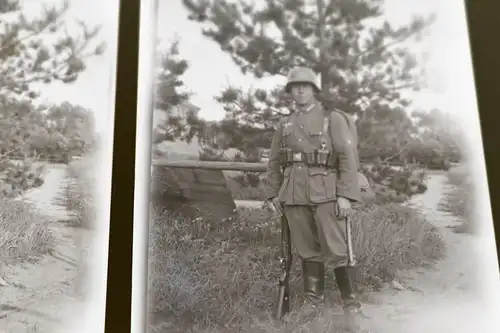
[41, 295]
[441, 298]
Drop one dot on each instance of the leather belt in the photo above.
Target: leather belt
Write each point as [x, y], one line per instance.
[322, 159]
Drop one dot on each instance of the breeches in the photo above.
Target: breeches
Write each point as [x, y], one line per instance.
[317, 233]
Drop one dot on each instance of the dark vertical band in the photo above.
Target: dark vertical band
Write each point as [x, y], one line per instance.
[483, 25]
[119, 284]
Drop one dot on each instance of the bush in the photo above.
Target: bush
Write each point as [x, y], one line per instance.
[387, 183]
[208, 277]
[52, 133]
[395, 185]
[79, 191]
[24, 232]
[17, 177]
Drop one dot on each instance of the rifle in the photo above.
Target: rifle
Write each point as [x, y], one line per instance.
[283, 302]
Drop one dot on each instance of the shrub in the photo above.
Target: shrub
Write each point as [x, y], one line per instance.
[18, 176]
[205, 276]
[387, 183]
[24, 232]
[79, 191]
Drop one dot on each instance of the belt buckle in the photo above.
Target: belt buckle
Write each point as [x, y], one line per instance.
[297, 157]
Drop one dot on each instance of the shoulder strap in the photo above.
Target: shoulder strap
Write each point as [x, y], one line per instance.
[281, 124]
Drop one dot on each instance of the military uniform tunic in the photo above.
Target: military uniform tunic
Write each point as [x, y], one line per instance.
[303, 131]
[309, 193]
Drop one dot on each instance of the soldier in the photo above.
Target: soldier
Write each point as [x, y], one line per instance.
[317, 154]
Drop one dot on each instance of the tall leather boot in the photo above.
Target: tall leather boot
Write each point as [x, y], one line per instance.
[313, 274]
[347, 282]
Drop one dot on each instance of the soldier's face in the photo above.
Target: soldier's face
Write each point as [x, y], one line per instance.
[302, 93]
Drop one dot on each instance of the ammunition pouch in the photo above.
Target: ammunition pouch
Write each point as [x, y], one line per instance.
[317, 159]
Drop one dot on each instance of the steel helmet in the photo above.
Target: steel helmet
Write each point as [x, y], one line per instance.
[301, 75]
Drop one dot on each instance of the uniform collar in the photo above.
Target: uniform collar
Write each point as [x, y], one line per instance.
[305, 108]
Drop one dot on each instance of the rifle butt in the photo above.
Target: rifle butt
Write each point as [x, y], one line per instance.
[283, 302]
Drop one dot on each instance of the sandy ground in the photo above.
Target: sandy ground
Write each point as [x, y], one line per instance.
[39, 296]
[442, 298]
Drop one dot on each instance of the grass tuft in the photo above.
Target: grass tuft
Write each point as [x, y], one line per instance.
[214, 277]
[24, 232]
[458, 200]
[79, 191]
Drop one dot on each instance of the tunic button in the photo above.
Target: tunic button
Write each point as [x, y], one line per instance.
[300, 139]
[299, 167]
[325, 173]
[301, 126]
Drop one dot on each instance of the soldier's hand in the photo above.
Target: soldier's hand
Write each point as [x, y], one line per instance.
[277, 205]
[344, 208]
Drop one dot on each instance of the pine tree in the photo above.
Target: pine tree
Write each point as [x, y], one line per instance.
[37, 51]
[362, 60]
[27, 56]
[180, 119]
[364, 64]
[386, 134]
[441, 139]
